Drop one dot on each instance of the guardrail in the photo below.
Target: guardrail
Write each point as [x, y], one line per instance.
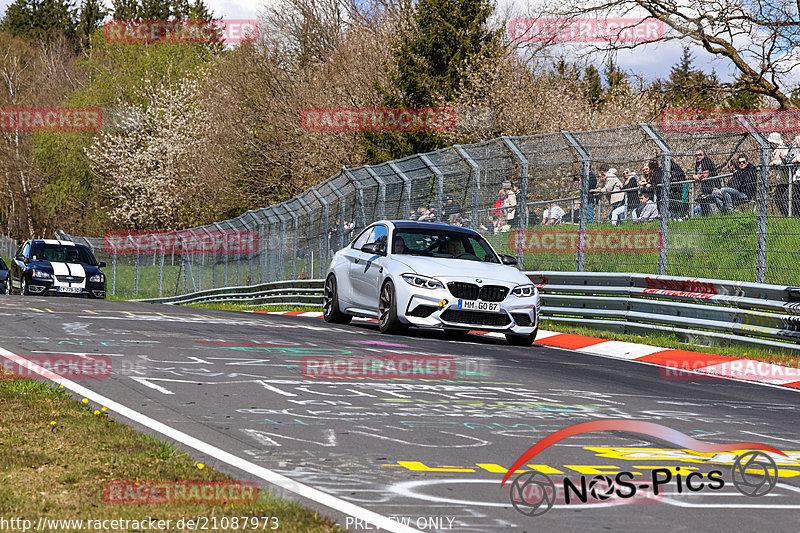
[703, 311]
[292, 292]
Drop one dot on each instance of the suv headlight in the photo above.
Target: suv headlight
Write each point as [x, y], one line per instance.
[41, 274]
[524, 291]
[97, 278]
[423, 281]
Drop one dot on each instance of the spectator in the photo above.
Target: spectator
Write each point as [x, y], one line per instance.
[490, 224]
[498, 204]
[793, 160]
[632, 184]
[553, 214]
[509, 202]
[450, 207]
[778, 160]
[647, 211]
[703, 170]
[594, 200]
[456, 219]
[611, 186]
[429, 215]
[740, 187]
[678, 192]
[419, 213]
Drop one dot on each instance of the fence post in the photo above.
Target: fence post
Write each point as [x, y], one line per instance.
[323, 246]
[342, 213]
[361, 217]
[381, 192]
[281, 271]
[406, 186]
[763, 199]
[663, 207]
[586, 161]
[439, 185]
[522, 205]
[221, 232]
[310, 212]
[476, 185]
[294, 239]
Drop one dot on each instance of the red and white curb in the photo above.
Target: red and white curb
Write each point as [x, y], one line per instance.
[675, 364]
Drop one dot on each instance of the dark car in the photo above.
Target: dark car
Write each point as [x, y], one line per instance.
[49, 267]
[3, 276]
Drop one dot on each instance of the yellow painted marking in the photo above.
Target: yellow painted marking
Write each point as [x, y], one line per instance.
[589, 469]
[417, 466]
[90, 311]
[673, 469]
[49, 310]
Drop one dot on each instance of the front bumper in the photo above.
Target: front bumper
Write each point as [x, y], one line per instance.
[438, 308]
[44, 287]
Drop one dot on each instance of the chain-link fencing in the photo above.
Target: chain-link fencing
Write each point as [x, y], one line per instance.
[725, 205]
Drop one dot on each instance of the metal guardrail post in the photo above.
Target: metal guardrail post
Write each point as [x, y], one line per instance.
[295, 240]
[666, 180]
[381, 192]
[763, 198]
[251, 252]
[586, 161]
[222, 232]
[439, 185]
[114, 271]
[342, 213]
[323, 232]
[361, 217]
[272, 221]
[476, 185]
[310, 212]
[238, 256]
[524, 165]
[406, 185]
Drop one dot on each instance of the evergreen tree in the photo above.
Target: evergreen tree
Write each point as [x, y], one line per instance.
[592, 86]
[688, 86]
[432, 55]
[91, 16]
[614, 75]
[37, 18]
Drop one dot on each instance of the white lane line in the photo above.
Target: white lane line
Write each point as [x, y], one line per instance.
[267, 475]
[146, 383]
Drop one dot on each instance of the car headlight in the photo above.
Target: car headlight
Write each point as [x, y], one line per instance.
[423, 281]
[524, 291]
[97, 278]
[41, 274]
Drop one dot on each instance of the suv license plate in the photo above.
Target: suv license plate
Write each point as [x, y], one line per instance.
[478, 305]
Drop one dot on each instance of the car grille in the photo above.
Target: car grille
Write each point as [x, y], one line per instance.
[70, 279]
[476, 318]
[470, 291]
[422, 311]
[522, 319]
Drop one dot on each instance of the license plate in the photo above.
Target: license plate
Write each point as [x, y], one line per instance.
[74, 290]
[478, 305]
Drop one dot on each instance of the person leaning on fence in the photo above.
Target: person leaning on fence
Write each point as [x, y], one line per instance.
[782, 160]
[553, 214]
[632, 185]
[610, 185]
[647, 211]
[704, 169]
[740, 188]
[509, 203]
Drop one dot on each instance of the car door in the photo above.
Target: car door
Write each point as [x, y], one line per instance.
[352, 256]
[18, 267]
[367, 269]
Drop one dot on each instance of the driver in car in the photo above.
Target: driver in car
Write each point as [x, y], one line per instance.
[454, 248]
[399, 246]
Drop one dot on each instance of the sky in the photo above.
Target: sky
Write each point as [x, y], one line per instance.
[651, 62]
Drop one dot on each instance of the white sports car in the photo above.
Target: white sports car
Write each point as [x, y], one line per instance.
[433, 275]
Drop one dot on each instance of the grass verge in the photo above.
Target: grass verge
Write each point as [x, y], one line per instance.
[56, 455]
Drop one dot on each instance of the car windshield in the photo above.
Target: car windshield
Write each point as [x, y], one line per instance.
[434, 242]
[59, 253]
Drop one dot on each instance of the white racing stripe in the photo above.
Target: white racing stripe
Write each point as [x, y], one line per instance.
[71, 269]
[360, 513]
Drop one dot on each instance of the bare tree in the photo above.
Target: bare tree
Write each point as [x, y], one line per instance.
[760, 38]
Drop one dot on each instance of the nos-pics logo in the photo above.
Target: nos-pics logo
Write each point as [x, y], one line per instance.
[533, 493]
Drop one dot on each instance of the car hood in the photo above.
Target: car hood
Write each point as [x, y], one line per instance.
[47, 266]
[438, 267]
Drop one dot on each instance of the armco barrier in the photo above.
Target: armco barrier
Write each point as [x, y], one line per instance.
[703, 311]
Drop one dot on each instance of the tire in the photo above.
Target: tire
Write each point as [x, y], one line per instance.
[521, 340]
[24, 288]
[387, 308]
[330, 303]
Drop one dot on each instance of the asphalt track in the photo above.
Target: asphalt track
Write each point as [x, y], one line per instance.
[430, 452]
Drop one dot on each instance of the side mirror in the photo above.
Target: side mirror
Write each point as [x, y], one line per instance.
[374, 248]
[508, 259]
[19, 258]
[101, 264]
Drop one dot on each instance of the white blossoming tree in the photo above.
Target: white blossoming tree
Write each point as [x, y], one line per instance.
[152, 159]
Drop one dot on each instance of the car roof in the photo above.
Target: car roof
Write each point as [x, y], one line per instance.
[52, 241]
[407, 224]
